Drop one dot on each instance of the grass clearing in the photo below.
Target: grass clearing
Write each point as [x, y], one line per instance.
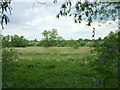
[50, 68]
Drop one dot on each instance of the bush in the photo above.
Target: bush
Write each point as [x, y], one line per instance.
[107, 63]
[82, 43]
[9, 55]
[76, 46]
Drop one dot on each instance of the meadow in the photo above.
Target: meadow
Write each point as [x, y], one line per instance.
[52, 67]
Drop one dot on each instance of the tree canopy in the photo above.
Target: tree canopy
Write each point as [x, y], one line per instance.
[51, 37]
[89, 11]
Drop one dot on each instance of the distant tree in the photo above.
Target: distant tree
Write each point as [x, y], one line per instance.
[35, 40]
[87, 40]
[17, 41]
[46, 34]
[99, 39]
[14, 41]
[59, 38]
[6, 41]
[82, 43]
[76, 46]
[51, 38]
[80, 39]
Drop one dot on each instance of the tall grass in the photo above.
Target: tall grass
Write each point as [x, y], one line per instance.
[50, 68]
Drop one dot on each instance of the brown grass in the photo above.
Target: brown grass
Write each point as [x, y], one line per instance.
[60, 47]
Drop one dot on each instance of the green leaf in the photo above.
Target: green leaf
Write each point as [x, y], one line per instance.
[75, 21]
[64, 6]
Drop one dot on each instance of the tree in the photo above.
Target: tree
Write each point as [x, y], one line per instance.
[6, 41]
[51, 37]
[80, 39]
[35, 40]
[14, 41]
[46, 34]
[53, 34]
[99, 39]
[59, 38]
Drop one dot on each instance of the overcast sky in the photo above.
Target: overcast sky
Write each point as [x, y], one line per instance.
[31, 20]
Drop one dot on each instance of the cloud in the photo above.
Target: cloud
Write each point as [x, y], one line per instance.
[31, 22]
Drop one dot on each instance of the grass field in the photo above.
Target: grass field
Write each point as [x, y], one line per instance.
[54, 67]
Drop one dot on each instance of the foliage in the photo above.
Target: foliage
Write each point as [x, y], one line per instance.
[4, 7]
[6, 41]
[76, 46]
[49, 68]
[82, 43]
[20, 41]
[89, 11]
[9, 55]
[68, 43]
[17, 41]
[89, 44]
[50, 38]
[53, 68]
[14, 41]
[107, 63]
[86, 10]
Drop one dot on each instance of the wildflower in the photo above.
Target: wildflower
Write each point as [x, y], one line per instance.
[114, 65]
[103, 59]
[117, 69]
[115, 45]
[105, 49]
[102, 82]
[99, 83]
[113, 48]
[95, 80]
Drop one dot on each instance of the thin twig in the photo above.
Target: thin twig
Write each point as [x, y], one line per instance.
[44, 3]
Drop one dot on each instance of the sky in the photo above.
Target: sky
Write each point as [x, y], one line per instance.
[31, 19]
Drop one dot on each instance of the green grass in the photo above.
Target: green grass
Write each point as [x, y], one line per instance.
[50, 68]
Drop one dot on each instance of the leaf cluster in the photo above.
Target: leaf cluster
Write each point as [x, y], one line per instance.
[90, 11]
[4, 7]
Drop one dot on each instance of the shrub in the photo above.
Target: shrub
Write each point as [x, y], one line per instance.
[107, 63]
[76, 46]
[9, 55]
[82, 43]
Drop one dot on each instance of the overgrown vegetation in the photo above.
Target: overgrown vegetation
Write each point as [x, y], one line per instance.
[107, 62]
[14, 41]
[9, 55]
[51, 38]
[65, 67]
[50, 68]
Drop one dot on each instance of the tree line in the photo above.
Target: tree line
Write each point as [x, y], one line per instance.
[51, 38]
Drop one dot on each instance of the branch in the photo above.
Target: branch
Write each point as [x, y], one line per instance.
[44, 3]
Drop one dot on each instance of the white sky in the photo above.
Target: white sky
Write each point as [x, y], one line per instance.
[30, 21]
